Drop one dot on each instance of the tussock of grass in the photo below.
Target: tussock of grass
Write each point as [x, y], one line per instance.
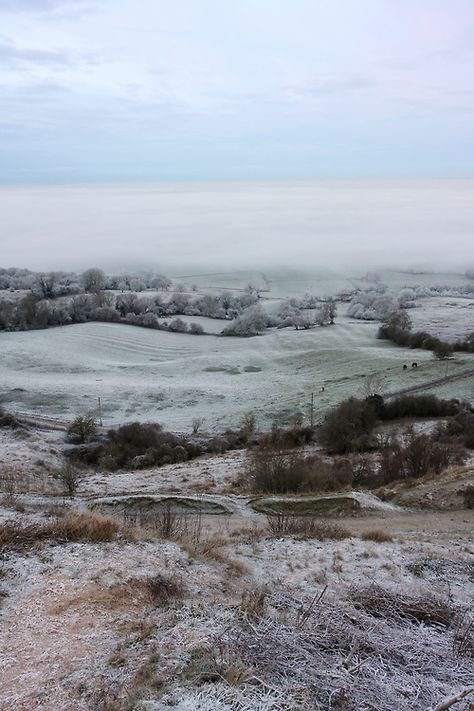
[377, 535]
[72, 527]
[164, 588]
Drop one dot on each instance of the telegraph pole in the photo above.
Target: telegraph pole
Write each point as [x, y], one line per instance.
[100, 411]
[312, 410]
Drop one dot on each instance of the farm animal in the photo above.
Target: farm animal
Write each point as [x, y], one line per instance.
[322, 388]
[405, 366]
[414, 365]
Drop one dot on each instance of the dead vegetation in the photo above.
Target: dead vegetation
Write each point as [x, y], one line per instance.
[72, 527]
[305, 527]
[426, 609]
[164, 588]
[343, 657]
[377, 535]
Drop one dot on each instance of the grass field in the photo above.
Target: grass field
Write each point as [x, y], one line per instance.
[173, 378]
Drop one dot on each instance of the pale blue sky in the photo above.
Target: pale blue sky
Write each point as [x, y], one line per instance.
[134, 90]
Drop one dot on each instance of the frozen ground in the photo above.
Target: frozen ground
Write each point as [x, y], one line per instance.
[450, 318]
[173, 378]
[260, 623]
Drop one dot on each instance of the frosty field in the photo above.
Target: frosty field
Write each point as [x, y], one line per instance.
[172, 378]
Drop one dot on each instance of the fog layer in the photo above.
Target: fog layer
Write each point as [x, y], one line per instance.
[230, 226]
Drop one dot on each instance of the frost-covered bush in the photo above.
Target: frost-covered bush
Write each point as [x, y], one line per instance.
[372, 306]
[251, 322]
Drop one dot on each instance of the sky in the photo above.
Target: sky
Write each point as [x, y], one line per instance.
[213, 90]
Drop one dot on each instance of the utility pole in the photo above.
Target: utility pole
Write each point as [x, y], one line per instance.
[100, 411]
[312, 410]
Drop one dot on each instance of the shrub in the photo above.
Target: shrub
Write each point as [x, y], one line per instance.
[7, 419]
[277, 472]
[305, 527]
[141, 445]
[348, 427]
[196, 329]
[84, 427]
[287, 438]
[248, 425]
[197, 423]
[418, 406]
[421, 455]
[70, 478]
[468, 495]
[273, 470]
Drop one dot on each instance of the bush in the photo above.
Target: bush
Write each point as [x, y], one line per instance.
[196, 329]
[277, 472]
[141, 445]
[287, 438]
[420, 455]
[70, 478]
[273, 470]
[424, 609]
[418, 406]
[347, 428]
[83, 427]
[8, 420]
[468, 495]
[460, 428]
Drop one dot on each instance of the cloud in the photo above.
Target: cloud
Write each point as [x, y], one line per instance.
[11, 56]
[39, 6]
[332, 85]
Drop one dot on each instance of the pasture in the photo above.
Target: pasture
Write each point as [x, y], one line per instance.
[172, 378]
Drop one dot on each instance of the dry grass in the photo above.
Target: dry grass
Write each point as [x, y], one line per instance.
[163, 589]
[305, 527]
[341, 658]
[253, 603]
[426, 609]
[378, 535]
[72, 527]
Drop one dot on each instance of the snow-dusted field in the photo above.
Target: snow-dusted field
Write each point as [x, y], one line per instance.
[172, 378]
[450, 318]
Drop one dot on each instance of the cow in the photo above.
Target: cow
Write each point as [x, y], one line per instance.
[414, 365]
[405, 366]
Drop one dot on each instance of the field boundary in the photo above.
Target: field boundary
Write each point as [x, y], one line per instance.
[431, 383]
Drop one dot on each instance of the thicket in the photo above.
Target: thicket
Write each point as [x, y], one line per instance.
[60, 298]
[138, 445]
[271, 470]
[349, 427]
